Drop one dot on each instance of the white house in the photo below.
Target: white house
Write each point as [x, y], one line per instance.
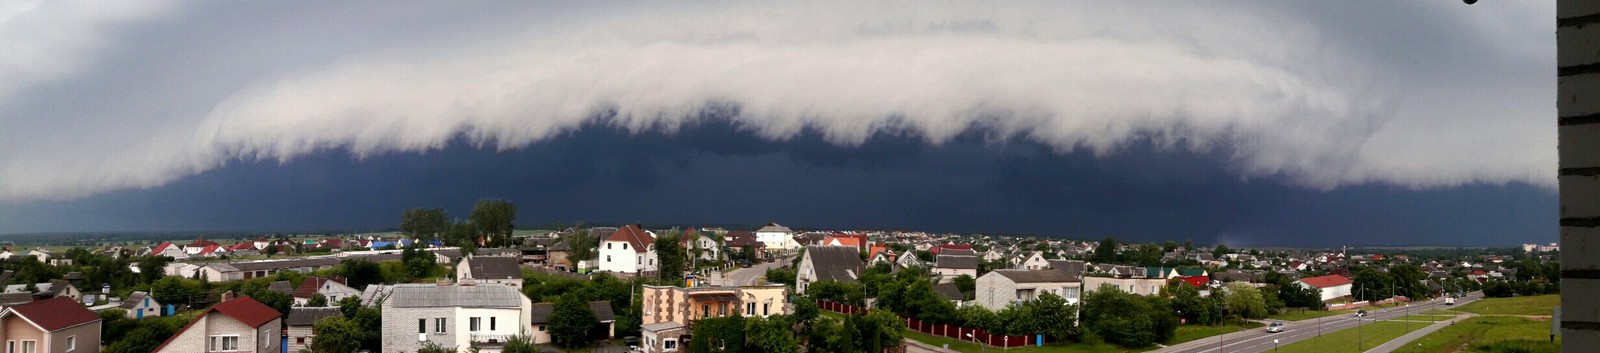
[41, 254]
[827, 263]
[453, 316]
[1000, 288]
[777, 237]
[140, 305]
[630, 249]
[235, 325]
[908, 259]
[1331, 286]
[501, 270]
[948, 267]
[696, 242]
[1034, 261]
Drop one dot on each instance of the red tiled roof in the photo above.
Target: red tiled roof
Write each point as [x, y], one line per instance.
[1326, 281]
[247, 245]
[935, 249]
[163, 247]
[202, 242]
[635, 236]
[845, 240]
[1196, 281]
[246, 310]
[55, 314]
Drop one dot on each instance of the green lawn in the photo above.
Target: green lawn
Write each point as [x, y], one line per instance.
[1487, 330]
[1297, 315]
[1426, 317]
[1532, 305]
[1371, 335]
[1188, 333]
[1441, 312]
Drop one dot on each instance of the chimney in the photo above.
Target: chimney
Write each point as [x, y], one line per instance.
[226, 296]
[444, 282]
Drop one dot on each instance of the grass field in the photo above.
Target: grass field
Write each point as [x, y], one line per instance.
[1487, 330]
[1297, 315]
[969, 347]
[1533, 305]
[1371, 335]
[1188, 333]
[1441, 312]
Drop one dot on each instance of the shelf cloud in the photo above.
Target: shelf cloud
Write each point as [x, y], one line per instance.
[1415, 96]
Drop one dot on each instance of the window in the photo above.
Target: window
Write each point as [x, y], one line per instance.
[11, 346]
[670, 345]
[299, 340]
[422, 325]
[766, 309]
[750, 308]
[608, 245]
[541, 328]
[474, 324]
[28, 346]
[72, 343]
[722, 309]
[491, 323]
[608, 258]
[438, 325]
[227, 343]
[624, 246]
[705, 310]
[641, 260]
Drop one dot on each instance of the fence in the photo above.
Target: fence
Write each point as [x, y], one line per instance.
[951, 331]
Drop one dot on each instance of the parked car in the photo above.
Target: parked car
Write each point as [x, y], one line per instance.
[1275, 327]
[1450, 301]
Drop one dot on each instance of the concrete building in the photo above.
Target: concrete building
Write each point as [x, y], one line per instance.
[670, 312]
[1138, 286]
[235, 325]
[1578, 128]
[948, 267]
[1001, 288]
[57, 325]
[629, 250]
[300, 322]
[777, 237]
[453, 316]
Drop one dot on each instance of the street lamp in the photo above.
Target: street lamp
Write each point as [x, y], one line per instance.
[975, 341]
[1274, 345]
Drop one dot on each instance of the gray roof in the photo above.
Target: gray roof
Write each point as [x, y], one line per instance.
[435, 296]
[1036, 276]
[14, 298]
[600, 308]
[961, 262]
[133, 300]
[493, 267]
[281, 287]
[1076, 268]
[948, 291]
[838, 263]
[774, 227]
[303, 316]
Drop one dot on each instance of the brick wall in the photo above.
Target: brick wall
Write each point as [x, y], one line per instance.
[1578, 106]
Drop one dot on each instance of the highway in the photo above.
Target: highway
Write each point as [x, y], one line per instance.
[1259, 340]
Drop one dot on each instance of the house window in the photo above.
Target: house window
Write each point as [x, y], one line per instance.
[750, 308]
[226, 343]
[722, 309]
[624, 246]
[641, 260]
[491, 323]
[474, 324]
[541, 328]
[608, 258]
[608, 245]
[11, 346]
[438, 325]
[72, 343]
[299, 340]
[422, 325]
[28, 346]
[670, 345]
[766, 309]
[705, 310]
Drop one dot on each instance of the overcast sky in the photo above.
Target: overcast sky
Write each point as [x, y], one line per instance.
[1266, 123]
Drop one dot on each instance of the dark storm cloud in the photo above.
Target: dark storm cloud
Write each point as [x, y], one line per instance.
[712, 173]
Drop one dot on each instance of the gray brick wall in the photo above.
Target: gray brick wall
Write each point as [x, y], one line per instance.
[1578, 107]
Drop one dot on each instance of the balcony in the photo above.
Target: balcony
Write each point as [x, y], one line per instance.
[491, 338]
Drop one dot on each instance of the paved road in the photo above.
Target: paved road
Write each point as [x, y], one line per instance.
[752, 275]
[1394, 344]
[1258, 340]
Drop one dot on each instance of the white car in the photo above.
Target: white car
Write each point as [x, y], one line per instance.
[1275, 327]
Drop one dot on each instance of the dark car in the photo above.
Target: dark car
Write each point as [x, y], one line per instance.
[1361, 313]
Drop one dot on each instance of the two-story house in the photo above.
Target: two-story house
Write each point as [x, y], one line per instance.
[669, 313]
[701, 244]
[235, 325]
[827, 263]
[948, 267]
[1000, 288]
[457, 316]
[140, 305]
[57, 325]
[630, 249]
[490, 270]
[1034, 261]
[776, 237]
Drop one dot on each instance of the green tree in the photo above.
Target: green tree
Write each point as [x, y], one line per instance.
[879, 330]
[431, 347]
[423, 222]
[152, 268]
[317, 301]
[769, 335]
[840, 292]
[359, 272]
[1054, 316]
[570, 321]
[419, 263]
[521, 343]
[1188, 244]
[1220, 250]
[720, 334]
[671, 258]
[494, 219]
[965, 283]
[1106, 251]
[581, 245]
[1295, 295]
[337, 335]
[780, 275]
[1126, 319]
[1245, 301]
